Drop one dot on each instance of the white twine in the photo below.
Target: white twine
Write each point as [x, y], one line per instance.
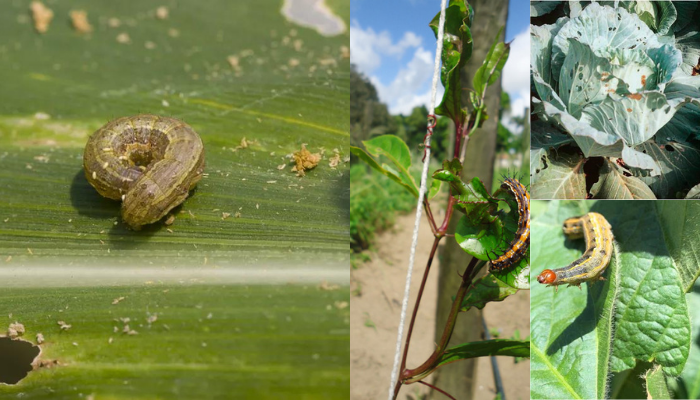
[419, 209]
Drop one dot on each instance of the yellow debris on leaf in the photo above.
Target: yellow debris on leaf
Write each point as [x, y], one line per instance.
[15, 330]
[64, 326]
[80, 22]
[334, 161]
[234, 62]
[162, 12]
[41, 15]
[123, 38]
[305, 160]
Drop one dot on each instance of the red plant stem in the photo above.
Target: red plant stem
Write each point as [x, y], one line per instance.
[449, 327]
[420, 294]
[439, 234]
[448, 214]
[458, 138]
[429, 214]
[437, 388]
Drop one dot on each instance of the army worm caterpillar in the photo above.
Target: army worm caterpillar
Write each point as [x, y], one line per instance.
[518, 246]
[148, 162]
[599, 248]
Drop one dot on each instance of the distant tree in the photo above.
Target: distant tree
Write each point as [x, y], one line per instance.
[506, 140]
[368, 116]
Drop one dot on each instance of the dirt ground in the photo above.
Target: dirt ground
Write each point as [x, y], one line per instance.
[375, 305]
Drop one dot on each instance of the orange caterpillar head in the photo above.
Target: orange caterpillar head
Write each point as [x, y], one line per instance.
[547, 276]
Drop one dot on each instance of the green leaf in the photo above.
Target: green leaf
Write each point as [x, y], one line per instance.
[456, 50]
[584, 79]
[547, 136]
[678, 163]
[634, 119]
[640, 160]
[657, 387]
[494, 347]
[434, 188]
[540, 8]
[575, 347]
[694, 193]
[613, 184]
[592, 141]
[541, 38]
[493, 64]
[680, 223]
[605, 30]
[486, 289]
[479, 237]
[688, 386]
[544, 137]
[475, 191]
[391, 147]
[395, 149]
[562, 177]
[454, 166]
[184, 336]
[667, 16]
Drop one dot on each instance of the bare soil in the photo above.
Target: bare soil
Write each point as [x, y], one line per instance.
[375, 306]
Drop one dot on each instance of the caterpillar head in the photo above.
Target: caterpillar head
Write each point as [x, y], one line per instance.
[547, 277]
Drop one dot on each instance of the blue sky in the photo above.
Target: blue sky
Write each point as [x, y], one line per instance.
[390, 43]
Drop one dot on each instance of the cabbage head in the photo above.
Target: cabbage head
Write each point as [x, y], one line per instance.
[615, 99]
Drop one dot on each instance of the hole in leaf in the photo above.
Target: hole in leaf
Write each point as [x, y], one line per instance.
[16, 358]
[591, 168]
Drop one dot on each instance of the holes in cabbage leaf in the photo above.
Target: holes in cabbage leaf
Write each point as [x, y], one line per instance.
[591, 169]
[16, 358]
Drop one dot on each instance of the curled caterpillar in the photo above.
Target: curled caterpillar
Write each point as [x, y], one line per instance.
[518, 246]
[147, 161]
[599, 247]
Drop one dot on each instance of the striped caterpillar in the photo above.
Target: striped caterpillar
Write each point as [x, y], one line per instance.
[599, 247]
[518, 246]
[149, 162]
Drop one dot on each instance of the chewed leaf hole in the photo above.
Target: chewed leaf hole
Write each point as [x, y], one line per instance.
[16, 358]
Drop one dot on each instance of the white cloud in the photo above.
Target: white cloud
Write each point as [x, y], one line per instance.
[410, 86]
[520, 102]
[408, 89]
[367, 46]
[516, 73]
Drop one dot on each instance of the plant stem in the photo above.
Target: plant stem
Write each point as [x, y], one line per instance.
[420, 294]
[429, 364]
[429, 214]
[437, 388]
